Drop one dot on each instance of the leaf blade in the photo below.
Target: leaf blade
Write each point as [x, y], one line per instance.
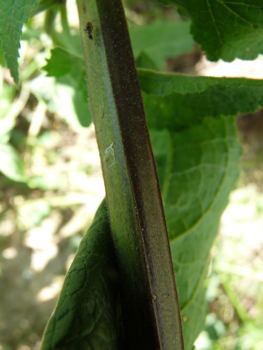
[201, 167]
[13, 15]
[66, 92]
[225, 29]
[177, 101]
[161, 41]
[11, 164]
[85, 316]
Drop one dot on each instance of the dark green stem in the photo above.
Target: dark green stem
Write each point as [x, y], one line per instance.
[64, 20]
[148, 292]
[50, 17]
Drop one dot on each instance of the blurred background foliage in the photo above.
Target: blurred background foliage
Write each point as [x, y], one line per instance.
[51, 182]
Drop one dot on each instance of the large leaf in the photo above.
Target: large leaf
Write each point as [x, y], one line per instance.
[162, 84]
[225, 29]
[85, 316]
[13, 14]
[160, 41]
[178, 101]
[197, 169]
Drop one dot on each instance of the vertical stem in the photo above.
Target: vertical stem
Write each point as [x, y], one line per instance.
[148, 292]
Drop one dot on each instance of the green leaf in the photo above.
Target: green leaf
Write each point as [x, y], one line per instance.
[11, 164]
[85, 316]
[178, 101]
[32, 212]
[162, 84]
[13, 14]
[65, 89]
[7, 123]
[145, 61]
[197, 169]
[61, 63]
[69, 42]
[225, 29]
[161, 41]
[6, 126]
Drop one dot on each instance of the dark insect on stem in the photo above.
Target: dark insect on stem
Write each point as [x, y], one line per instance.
[88, 29]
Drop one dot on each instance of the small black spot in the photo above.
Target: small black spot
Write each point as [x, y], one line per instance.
[88, 29]
[84, 7]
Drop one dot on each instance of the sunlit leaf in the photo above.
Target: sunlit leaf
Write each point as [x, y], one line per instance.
[225, 29]
[11, 165]
[13, 14]
[177, 101]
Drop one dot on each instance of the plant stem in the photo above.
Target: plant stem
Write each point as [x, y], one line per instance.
[45, 5]
[148, 292]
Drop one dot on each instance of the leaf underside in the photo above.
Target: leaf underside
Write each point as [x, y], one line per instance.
[86, 313]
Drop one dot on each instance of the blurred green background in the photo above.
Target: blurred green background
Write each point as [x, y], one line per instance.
[51, 185]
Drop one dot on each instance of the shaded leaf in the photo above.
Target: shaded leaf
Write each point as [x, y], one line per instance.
[225, 29]
[145, 61]
[161, 41]
[197, 169]
[86, 313]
